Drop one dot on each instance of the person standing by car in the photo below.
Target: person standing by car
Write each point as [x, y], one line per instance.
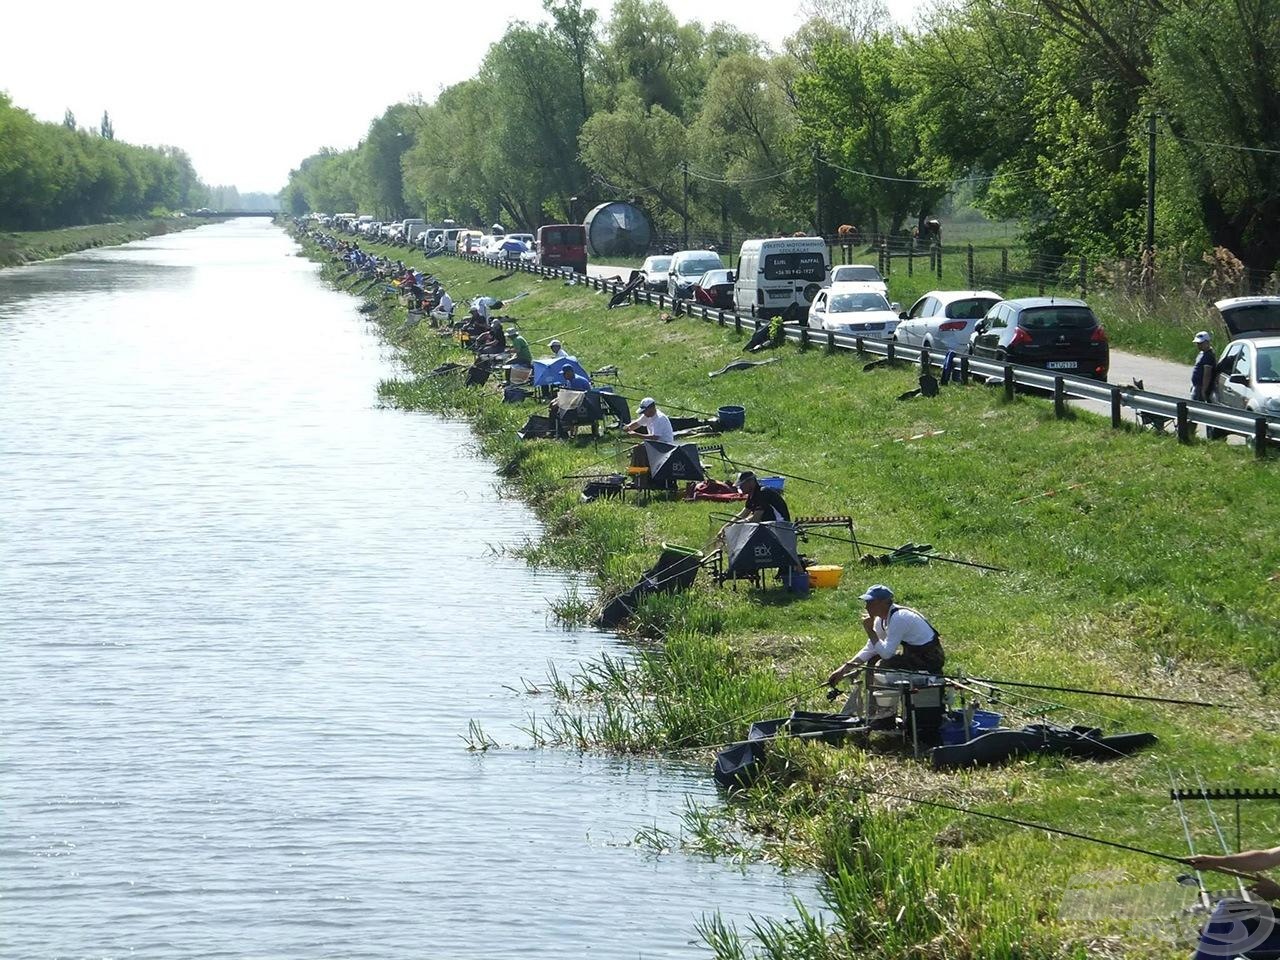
[1202, 371]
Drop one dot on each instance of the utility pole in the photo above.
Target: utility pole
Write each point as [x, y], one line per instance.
[686, 204]
[1150, 247]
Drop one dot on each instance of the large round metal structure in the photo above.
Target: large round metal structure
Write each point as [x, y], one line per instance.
[617, 229]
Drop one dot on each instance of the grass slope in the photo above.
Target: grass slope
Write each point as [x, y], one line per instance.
[32, 245]
[1137, 564]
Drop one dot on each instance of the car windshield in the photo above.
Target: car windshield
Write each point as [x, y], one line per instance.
[1269, 364]
[795, 266]
[696, 268]
[716, 276]
[856, 273]
[970, 309]
[1057, 318]
[657, 264]
[858, 302]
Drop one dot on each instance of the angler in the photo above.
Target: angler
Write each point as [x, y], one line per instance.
[1239, 927]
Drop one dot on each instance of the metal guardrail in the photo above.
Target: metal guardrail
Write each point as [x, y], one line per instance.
[1158, 408]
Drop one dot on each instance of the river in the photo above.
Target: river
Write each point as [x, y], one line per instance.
[247, 617]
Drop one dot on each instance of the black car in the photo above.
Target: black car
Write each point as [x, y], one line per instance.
[1060, 335]
[715, 289]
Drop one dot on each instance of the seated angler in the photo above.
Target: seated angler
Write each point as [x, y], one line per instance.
[493, 341]
[574, 380]
[763, 504]
[522, 356]
[557, 350]
[652, 423]
[898, 638]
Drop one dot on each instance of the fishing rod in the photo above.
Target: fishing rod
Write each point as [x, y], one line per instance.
[917, 552]
[1244, 894]
[752, 466]
[557, 336]
[669, 406]
[1058, 831]
[1096, 693]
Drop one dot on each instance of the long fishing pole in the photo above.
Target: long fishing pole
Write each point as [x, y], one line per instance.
[927, 555]
[1098, 693]
[752, 466]
[669, 406]
[1058, 831]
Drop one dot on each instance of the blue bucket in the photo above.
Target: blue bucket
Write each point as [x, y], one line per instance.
[771, 483]
[797, 582]
[952, 729]
[732, 418]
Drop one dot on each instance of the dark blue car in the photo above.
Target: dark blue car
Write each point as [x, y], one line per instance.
[1056, 333]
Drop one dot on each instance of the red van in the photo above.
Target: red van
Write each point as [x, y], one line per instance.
[563, 245]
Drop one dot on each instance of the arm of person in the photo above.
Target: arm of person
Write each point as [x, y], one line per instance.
[1250, 861]
[867, 654]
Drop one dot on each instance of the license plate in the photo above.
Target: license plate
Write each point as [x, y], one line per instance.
[1061, 365]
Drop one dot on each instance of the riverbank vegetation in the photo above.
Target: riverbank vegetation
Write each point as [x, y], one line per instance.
[60, 174]
[30, 246]
[1136, 564]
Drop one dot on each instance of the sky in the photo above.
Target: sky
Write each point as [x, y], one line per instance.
[250, 89]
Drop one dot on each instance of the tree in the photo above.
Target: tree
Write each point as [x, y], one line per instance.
[107, 131]
[69, 119]
[574, 27]
[649, 55]
[639, 151]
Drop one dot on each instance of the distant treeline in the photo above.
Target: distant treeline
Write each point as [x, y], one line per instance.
[58, 175]
[1037, 109]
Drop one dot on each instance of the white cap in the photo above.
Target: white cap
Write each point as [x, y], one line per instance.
[1203, 337]
[648, 402]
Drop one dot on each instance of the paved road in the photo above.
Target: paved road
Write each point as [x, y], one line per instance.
[1157, 376]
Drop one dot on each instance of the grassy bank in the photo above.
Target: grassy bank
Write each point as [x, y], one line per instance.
[1136, 564]
[30, 246]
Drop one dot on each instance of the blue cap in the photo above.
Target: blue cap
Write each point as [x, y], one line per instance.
[878, 592]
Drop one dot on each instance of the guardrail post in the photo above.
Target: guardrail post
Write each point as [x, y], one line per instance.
[889, 352]
[1115, 408]
[1059, 397]
[857, 344]
[737, 322]
[924, 361]
[1008, 381]
[1184, 422]
[804, 338]
[831, 341]
[720, 318]
[969, 266]
[964, 369]
[1260, 438]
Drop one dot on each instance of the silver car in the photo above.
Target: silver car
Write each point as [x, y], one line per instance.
[945, 319]
[1247, 376]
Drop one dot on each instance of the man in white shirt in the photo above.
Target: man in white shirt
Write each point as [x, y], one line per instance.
[557, 350]
[898, 638]
[443, 311]
[656, 423]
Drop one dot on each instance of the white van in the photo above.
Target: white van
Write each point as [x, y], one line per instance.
[779, 273]
[413, 229]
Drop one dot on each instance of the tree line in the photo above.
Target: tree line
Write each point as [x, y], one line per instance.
[1038, 109]
[58, 174]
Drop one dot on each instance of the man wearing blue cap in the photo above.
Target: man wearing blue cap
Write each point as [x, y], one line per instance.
[898, 637]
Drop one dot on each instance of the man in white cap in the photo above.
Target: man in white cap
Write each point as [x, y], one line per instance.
[1202, 372]
[657, 425]
[557, 350]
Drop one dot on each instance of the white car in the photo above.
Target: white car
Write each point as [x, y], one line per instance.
[944, 319]
[655, 273]
[1248, 376]
[859, 273]
[856, 308]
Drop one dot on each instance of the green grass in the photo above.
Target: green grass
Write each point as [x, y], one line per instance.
[32, 245]
[1137, 564]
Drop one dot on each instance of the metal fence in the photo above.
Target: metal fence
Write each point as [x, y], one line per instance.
[1156, 409]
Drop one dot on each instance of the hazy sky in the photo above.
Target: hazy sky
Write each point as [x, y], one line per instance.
[275, 81]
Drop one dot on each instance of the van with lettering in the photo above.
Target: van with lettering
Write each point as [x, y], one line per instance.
[780, 275]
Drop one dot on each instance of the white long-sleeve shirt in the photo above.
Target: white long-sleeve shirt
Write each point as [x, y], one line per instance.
[904, 626]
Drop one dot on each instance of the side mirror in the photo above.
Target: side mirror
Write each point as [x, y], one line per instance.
[980, 326]
[732, 277]
[902, 315]
[897, 308]
[1240, 378]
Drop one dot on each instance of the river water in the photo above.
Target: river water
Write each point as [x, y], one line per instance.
[246, 619]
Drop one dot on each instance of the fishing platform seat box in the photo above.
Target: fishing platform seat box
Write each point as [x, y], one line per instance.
[752, 547]
[670, 464]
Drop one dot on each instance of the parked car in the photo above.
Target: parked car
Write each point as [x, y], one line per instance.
[1247, 376]
[469, 241]
[715, 289]
[780, 275]
[413, 228]
[687, 266]
[857, 308]
[1055, 333]
[562, 245]
[944, 319]
[859, 273]
[655, 273]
